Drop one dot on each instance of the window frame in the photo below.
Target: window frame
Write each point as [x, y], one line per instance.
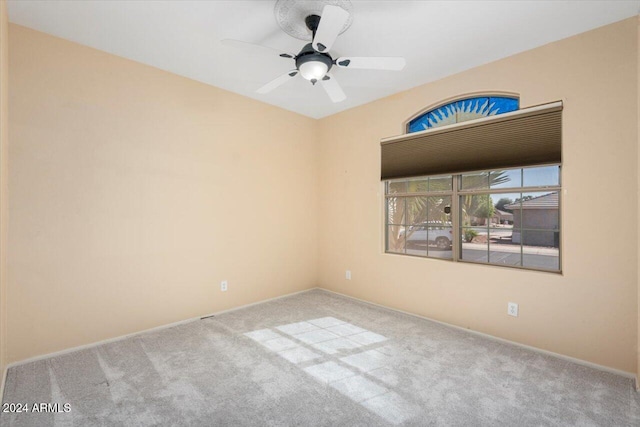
[456, 214]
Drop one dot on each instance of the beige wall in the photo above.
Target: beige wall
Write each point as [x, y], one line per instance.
[4, 151]
[134, 192]
[590, 311]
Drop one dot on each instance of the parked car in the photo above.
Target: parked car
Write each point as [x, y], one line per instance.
[436, 233]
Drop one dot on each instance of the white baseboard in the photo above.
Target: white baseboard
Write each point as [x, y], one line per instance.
[502, 340]
[157, 328]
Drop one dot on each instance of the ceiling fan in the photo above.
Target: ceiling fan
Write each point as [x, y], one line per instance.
[314, 61]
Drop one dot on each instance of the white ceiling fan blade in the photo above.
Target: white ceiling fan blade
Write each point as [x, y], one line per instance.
[256, 49]
[278, 81]
[372, 63]
[333, 89]
[331, 23]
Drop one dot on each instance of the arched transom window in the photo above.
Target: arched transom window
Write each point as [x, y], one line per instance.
[463, 110]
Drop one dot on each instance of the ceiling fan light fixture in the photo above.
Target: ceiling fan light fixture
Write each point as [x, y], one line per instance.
[313, 70]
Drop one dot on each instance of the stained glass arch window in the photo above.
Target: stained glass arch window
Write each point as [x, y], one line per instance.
[463, 110]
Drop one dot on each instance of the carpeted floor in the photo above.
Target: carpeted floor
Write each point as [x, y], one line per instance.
[316, 359]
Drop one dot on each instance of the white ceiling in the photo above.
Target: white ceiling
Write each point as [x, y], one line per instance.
[438, 38]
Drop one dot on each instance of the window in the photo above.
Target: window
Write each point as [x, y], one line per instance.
[483, 191]
[419, 217]
[463, 110]
[508, 217]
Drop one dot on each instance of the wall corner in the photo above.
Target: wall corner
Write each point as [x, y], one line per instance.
[4, 149]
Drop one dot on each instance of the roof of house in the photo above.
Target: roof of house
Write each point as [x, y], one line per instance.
[547, 201]
[503, 213]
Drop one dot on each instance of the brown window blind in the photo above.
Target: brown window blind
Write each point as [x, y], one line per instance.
[527, 137]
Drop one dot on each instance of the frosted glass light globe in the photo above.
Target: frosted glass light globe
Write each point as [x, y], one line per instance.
[313, 70]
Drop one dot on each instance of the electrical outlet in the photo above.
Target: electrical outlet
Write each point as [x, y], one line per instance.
[348, 275]
[512, 309]
[223, 286]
